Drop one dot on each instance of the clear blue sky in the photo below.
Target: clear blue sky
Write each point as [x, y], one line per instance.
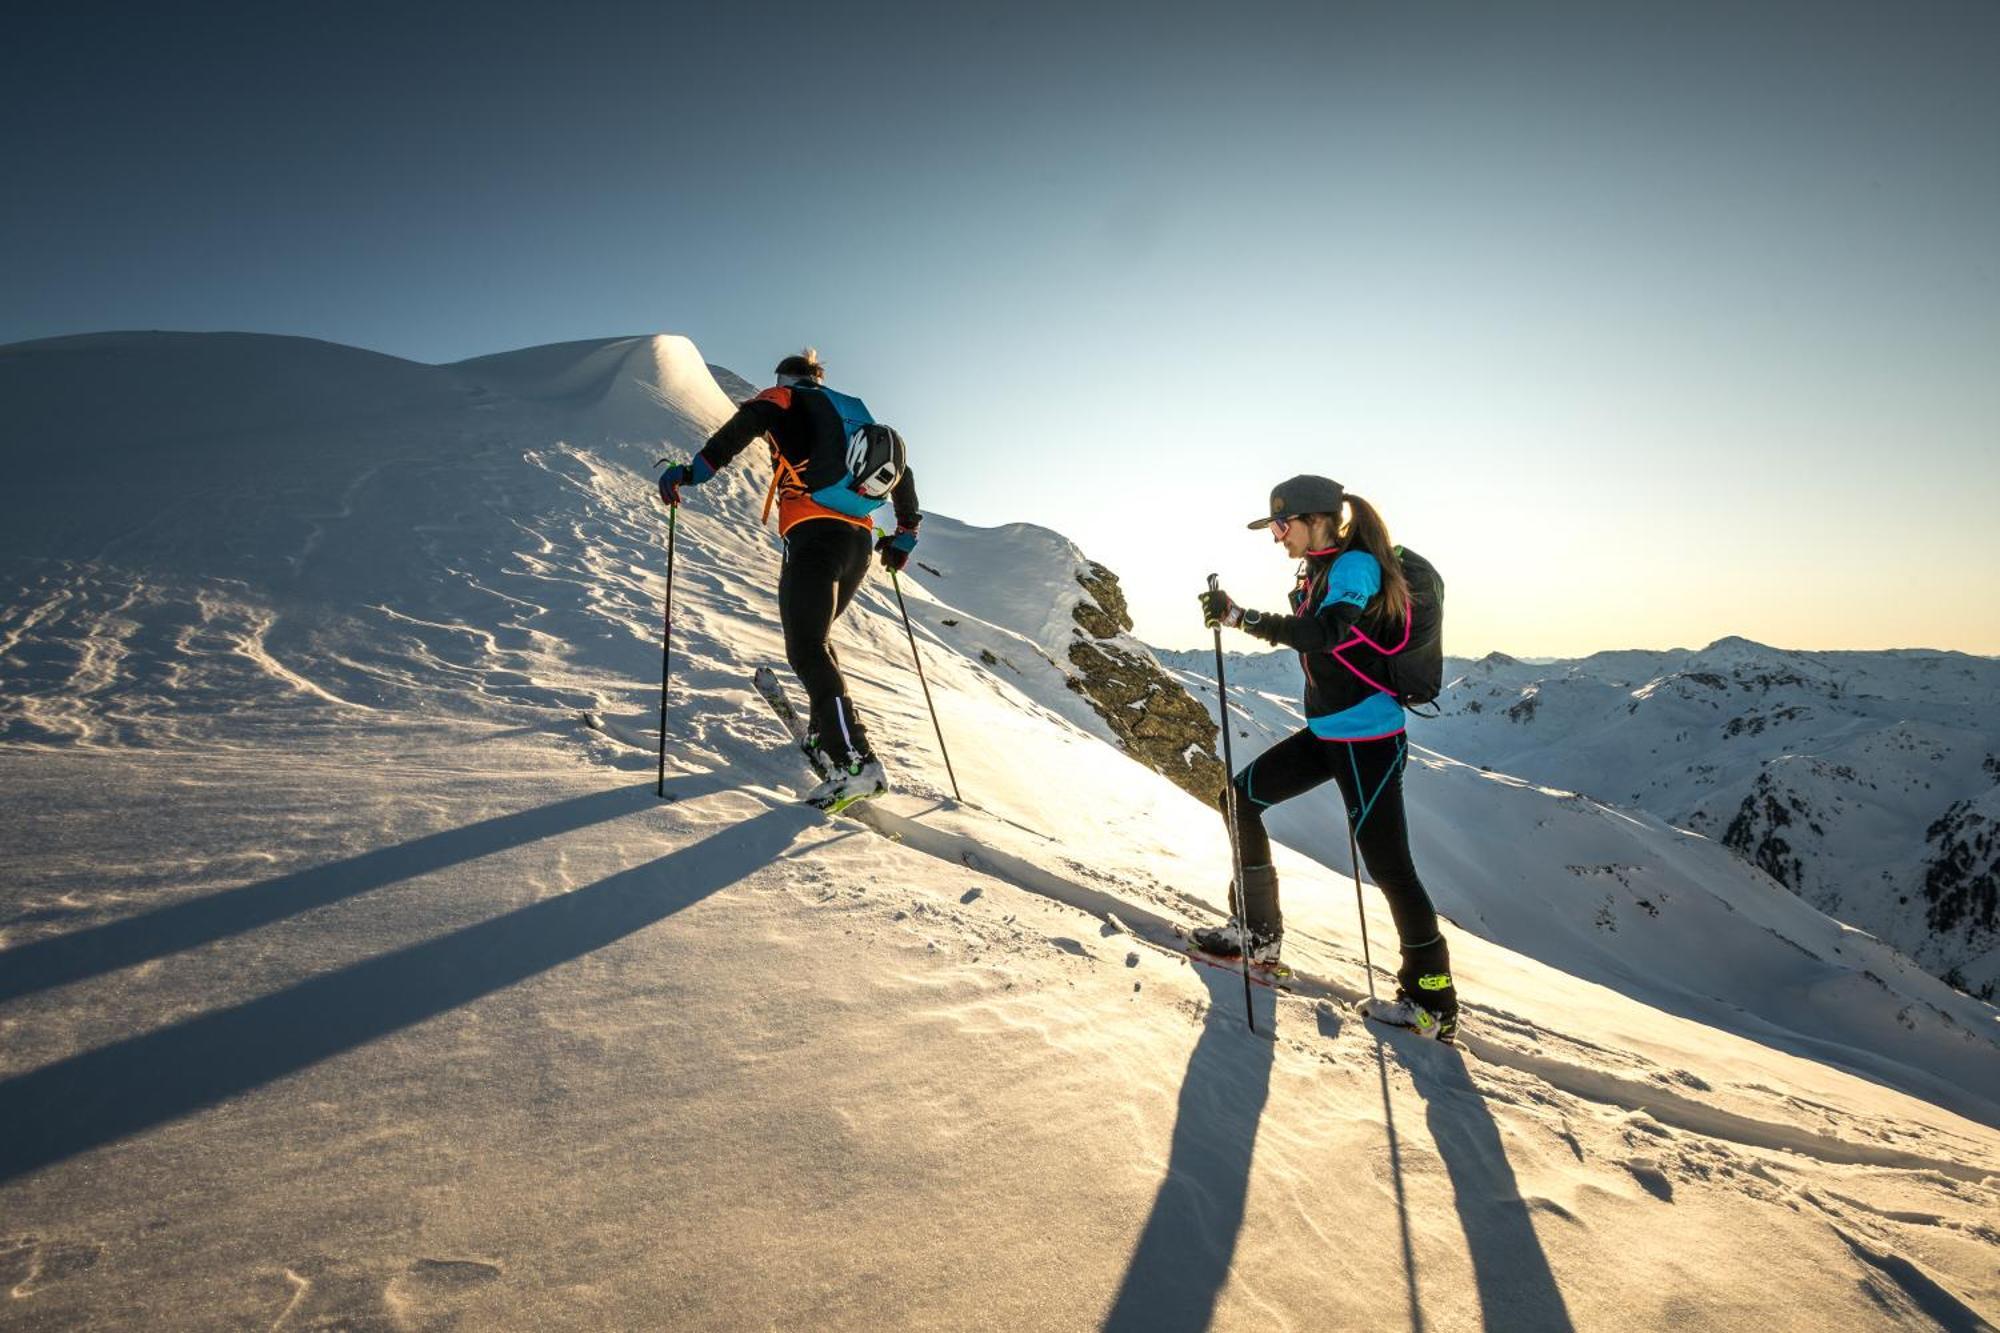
[1649, 324]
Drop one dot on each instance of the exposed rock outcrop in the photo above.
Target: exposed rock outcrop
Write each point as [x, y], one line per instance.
[1108, 617]
[1157, 721]
[1755, 831]
[1962, 875]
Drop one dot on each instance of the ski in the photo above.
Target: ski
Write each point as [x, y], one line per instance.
[839, 804]
[1272, 977]
[773, 690]
[1276, 976]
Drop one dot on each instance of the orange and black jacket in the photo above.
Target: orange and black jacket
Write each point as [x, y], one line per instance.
[793, 421]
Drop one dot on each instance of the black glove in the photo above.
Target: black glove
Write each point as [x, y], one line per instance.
[895, 549]
[1217, 609]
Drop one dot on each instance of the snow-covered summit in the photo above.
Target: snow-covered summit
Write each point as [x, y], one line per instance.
[351, 973]
[618, 386]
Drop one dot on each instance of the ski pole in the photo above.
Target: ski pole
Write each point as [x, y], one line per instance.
[1354, 855]
[1239, 899]
[666, 641]
[919, 659]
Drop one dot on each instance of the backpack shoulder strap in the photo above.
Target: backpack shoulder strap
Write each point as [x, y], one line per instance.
[780, 465]
[854, 413]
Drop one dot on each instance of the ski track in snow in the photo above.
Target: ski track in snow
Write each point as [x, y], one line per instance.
[1156, 930]
[1650, 1102]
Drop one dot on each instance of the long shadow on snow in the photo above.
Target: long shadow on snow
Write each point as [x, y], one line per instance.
[96, 950]
[1182, 1260]
[1517, 1289]
[1410, 1293]
[101, 1096]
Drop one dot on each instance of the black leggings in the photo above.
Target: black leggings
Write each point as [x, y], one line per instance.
[825, 561]
[1370, 774]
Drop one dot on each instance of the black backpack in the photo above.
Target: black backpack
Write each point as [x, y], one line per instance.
[1416, 673]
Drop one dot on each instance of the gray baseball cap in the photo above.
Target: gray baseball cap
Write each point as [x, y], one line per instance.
[1302, 495]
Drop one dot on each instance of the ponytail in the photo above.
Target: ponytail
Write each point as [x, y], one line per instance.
[1365, 531]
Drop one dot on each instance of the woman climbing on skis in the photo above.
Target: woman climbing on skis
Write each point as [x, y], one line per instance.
[1351, 617]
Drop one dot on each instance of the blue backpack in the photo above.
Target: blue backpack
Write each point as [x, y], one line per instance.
[854, 476]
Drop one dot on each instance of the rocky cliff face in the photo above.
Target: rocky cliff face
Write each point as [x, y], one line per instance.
[1961, 877]
[1761, 831]
[1157, 721]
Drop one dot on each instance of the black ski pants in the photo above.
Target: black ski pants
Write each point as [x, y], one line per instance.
[1370, 774]
[825, 562]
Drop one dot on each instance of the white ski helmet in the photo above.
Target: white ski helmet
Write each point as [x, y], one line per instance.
[875, 459]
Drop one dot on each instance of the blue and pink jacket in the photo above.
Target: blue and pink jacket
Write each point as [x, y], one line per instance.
[1340, 646]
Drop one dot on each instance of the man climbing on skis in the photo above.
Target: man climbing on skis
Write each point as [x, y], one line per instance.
[832, 466]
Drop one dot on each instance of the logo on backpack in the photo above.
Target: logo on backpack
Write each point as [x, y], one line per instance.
[856, 479]
[875, 461]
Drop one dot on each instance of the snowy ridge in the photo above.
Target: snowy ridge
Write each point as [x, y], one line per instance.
[350, 972]
[1018, 575]
[1008, 592]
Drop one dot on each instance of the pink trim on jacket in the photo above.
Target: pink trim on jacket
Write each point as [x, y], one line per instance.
[1339, 654]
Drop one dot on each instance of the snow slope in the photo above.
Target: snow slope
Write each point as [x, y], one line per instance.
[351, 975]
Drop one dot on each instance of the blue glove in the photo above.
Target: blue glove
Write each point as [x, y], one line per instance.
[687, 474]
[895, 549]
[671, 482]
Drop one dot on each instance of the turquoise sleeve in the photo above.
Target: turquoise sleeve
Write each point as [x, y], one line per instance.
[1354, 579]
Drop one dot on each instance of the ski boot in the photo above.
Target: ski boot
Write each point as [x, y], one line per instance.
[1228, 942]
[859, 778]
[1426, 1001]
[1265, 936]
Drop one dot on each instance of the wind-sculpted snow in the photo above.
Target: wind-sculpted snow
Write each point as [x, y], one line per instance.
[458, 561]
[352, 975]
[1146, 913]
